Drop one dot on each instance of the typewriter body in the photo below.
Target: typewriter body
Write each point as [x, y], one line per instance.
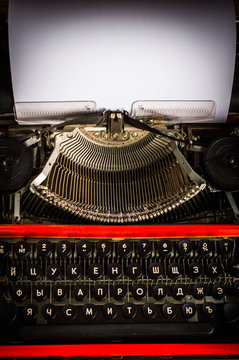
[117, 226]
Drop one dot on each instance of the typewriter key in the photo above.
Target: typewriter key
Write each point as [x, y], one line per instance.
[144, 248]
[199, 291]
[169, 310]
[174, 270]
[218, 291]
[139, 291]
[114, 271]
[129, 310]
[134, 271]
[205, 247]
[214, 270]
[22, 249]
[49, 312]
[19, 293]
[149, 310]
[119, 292]
[103, 248]
[89, 311]
[100, 292]
[209, 309]
[185, 247]
[64, 248]
[33, 272]
[53, 272]
[39, 293]
[124, 248]
[69, 312]
[59, 292]
[73, 271]
[29, 312]
[4, 249]
[164, 247]
[95, 271]
[80, 292]
[84, 248]
[159, 291]
[179, 291]
[109, 311]
[44, 248]
[188, 310]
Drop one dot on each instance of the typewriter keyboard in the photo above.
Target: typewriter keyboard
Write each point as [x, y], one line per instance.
[136, 287]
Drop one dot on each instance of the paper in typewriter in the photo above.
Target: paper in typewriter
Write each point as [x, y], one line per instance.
[114, 53]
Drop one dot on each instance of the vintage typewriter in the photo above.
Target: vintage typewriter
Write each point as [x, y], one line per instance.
[115, 225]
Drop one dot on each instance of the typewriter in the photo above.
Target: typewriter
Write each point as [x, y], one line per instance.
[119, 227]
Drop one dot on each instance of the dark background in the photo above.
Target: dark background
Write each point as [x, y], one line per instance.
[6, 97]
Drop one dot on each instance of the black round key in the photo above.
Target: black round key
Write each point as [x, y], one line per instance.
[159, 291]
[13, 272]
[59, 292]
[49, 312]
[29, 312]
[100, 292]
[149, 310]
[155, 270]
[33, 272]
[214, 270]
[3, 290]
[69, 312]
[89, 311]
[209, 309]
[124, 248]
[114, 271]
[195, 270]
[199, 291]
[231, 312]
[226, 246]
[174, 270]
[234, 268]
[19, 293]
[185, 247]
[144, 248]
[73, 271]
[109, 311]
[80, 292]
[179, 291]
[39, 293]
[188, 310]
[4, 249]
[53, 272]
[64, 248]
[129, 310]
[164, 247]
[84, 248]
[8, 313]
[95, 271]
[218, 291]
[44, 248]
[205, 247]
[139, 291]
[134, 271]
[169, 310]
[119, 292]
[236, 287]
[103, 248]
[22, 249]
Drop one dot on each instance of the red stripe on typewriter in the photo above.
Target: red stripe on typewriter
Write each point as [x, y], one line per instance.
[133, 231]
[110, 350]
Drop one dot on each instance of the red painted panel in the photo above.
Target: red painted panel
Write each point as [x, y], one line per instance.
[132, 231]
[96, 350]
